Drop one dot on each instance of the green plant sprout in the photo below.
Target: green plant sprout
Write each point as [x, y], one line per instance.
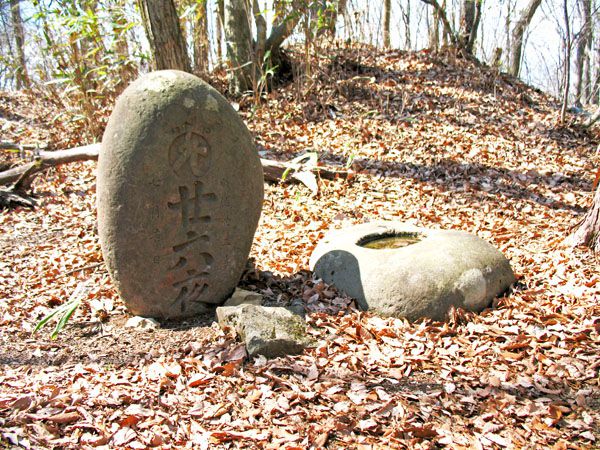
[63, 312]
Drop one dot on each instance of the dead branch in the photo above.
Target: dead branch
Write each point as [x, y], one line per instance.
[23, 176]
[47, 159]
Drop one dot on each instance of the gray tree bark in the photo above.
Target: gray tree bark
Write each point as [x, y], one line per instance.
[584, 42]
[244, 54]
[448, 31]
[220, 20]
[387, 15]
[201, 41]
[566, 63]
[22, 77]
[434, 31]
[238, 40]
[407, 30]
[518, 32]
[469, 23]
[164, 34]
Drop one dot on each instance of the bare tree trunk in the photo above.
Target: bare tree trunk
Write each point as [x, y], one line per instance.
[282, 30]
[567, 63]
[387, 15]
[238, 39]
[407, 31]
[595, 90]
[434, 31]
[588, 231]
[245, 55]
[220, 20]
[17, 23]
[201, 42]
[445, 22]
[518, 32]
[164, 34]
[584, 39]
[261, 33]
[469, 22]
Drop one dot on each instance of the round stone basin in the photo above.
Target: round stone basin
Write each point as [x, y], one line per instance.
[399, 270]
[385, 241]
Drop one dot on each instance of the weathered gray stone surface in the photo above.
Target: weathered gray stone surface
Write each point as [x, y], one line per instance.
[180, 191]
[242, 296]
[267, 331]
[424, 279]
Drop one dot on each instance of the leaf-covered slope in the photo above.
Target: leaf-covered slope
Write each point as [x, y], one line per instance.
[439, 142]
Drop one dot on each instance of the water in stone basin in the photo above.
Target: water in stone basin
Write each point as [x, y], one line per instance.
[390, 241]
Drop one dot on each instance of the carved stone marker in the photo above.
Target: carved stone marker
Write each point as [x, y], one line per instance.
[180, 190]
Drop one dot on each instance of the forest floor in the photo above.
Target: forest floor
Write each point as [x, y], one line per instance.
[430, 140]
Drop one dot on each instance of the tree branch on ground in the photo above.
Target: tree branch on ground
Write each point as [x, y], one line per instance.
[23, 176]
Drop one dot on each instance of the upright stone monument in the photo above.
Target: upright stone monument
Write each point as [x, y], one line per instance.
[180, 190]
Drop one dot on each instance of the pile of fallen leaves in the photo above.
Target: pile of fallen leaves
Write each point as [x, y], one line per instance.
[431, 140]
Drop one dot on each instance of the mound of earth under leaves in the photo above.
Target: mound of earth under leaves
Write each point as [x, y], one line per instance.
[430, 140]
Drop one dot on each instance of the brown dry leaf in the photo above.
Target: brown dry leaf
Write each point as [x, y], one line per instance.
[123, 436]
[68, 417]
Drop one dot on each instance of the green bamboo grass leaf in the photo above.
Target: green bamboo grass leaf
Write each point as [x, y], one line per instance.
[63, 312]
[285, 173]
[65, 318]
[45, 320]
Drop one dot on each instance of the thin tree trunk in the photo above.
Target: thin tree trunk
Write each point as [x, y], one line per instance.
[17, 23]
[407, 31]
[434, 31]
[201, 42]
[475, 27]
[595, 90]
[164, 34]
[220, 20]
[282, 30]
[583, 42]
[387, 15]
[445, 22]
[567, 63]
[518, 32]
[469, 22]
[239, 46]
[261, 32]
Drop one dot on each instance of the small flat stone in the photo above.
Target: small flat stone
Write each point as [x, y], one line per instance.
[142, 323]
[267, 331]
[242, 296]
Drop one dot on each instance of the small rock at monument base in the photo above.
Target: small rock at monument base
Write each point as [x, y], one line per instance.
[142, 323]
[242, 296]
[267, 331]
[180, 190]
